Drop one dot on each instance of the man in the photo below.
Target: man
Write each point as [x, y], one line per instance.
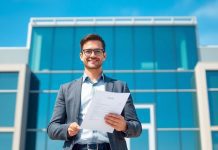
[74, 98]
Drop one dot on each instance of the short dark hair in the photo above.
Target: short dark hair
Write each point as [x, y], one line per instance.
[91, 37]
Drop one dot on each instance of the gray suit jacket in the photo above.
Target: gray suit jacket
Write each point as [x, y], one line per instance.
[67, 109]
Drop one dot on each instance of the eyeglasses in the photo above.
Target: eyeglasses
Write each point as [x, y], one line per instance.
[97, 52]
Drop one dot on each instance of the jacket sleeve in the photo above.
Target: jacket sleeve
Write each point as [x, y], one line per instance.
[134, 127]
[57, 127]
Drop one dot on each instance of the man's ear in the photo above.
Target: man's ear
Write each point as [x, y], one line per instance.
[81, 56]
[105, 56]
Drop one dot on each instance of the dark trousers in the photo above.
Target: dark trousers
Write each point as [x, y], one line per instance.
[103, 146]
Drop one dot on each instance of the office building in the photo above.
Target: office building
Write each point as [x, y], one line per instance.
[173, 80]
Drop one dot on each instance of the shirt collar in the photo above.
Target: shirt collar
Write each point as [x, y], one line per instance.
[86, 78]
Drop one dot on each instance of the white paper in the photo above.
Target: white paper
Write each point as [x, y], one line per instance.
[102, 104]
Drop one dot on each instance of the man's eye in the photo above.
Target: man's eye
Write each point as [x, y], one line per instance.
[88, 51]
[97, 51]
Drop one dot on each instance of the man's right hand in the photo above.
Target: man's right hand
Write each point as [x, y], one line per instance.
[73, 129]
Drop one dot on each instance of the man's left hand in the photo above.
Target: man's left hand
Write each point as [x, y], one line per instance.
[116, 121]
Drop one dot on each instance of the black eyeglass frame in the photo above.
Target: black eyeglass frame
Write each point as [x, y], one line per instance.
[100, 50]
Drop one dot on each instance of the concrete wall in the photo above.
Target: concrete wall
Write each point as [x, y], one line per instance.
[209, 53]
[14, 55]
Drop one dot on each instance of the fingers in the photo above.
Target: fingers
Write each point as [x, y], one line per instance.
[113, 118]
[73, 129]
[116, 121]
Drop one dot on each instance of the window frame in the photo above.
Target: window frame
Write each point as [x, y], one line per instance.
[203, 103]
[18, 131]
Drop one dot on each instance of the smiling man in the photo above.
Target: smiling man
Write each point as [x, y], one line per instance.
[74, 98]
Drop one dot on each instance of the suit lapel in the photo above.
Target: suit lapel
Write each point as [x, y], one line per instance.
[108, 84]
[77, 96]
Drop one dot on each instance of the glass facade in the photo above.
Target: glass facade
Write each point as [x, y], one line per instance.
[157, 62]
[177, 44]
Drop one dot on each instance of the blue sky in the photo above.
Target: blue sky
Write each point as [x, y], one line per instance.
[15, 14]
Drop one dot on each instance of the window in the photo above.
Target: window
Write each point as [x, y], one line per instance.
[7, 111]
[167, 110]
[6, 140]
[14, 83]
[123, 50]
[186, 47]
[168, 140]
[188, 110]
[163, 40]
[143, 48]
[215, 140]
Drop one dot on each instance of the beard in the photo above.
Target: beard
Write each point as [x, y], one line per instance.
[96, 65]
[93, 67]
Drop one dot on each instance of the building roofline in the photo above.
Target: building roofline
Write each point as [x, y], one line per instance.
[116, 21]
[13, 48]
[208, 46]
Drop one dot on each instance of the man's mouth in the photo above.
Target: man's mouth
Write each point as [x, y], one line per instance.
[93, 60]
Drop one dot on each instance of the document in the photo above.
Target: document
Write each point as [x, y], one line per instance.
[102, 104]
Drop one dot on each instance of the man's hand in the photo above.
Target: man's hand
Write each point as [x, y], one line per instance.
[116, 121]
[73, 129]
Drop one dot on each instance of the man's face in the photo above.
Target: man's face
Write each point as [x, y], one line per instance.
[92, 55]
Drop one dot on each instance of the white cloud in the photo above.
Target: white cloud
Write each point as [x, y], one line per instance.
[209, 10]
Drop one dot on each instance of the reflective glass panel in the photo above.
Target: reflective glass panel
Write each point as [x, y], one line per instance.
[123, 49]
[58, 79]
[63, 49]
[164, 47]
[144, 115]
[8, 80]
[6, 140]
[126, 77]
[186, 80]
[213, 103]
[186, 47]
[46, 81]
[143, 48]
[188, 110]
[167, 110]
[165, 80]
[110, 75]
[41, 47]
[215, 140]
[38, 115]
[141, 97]
[140, 142]
[190, 140]
[168, 140]
[36, 140]
[212, 79]
[40, 81]
[7, 111]
[144, 80]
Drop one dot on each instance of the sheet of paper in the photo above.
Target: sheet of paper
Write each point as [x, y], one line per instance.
[102, 104]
